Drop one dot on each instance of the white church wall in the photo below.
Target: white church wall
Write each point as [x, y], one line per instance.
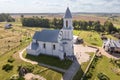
[49, 48]
[31, 52]
[42, 49]
[69, 48]
[56, 51]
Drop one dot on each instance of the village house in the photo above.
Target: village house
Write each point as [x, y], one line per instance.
[57, 43]
[112, 46]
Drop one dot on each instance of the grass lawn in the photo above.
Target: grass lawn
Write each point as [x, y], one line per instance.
[82, 68]
[50, 60]
[111, 37]
[104, 66]
[90, 37]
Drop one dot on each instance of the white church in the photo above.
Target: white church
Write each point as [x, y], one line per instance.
[57, 43]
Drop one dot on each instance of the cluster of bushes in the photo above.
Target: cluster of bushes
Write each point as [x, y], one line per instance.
[29, 68]
[6, 17]
[102, 76]
[8, 67]
[11, 59]
[115, 62]
[92, 67]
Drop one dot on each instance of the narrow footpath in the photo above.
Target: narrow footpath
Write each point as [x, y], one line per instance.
[41, 64]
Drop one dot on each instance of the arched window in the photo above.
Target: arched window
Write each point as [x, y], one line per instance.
[66, 23]
[44, 45]
[53, 47]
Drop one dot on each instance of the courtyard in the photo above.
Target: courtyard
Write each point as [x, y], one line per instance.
[81, 51]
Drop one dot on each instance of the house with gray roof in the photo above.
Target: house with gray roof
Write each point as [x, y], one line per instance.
[112, 46]
[57, 43]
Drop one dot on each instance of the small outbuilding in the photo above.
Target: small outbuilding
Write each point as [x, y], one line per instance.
[8, 26]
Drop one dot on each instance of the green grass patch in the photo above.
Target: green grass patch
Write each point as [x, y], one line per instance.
[90, 37]
[50, 60]
[104, 66]
[18, 62]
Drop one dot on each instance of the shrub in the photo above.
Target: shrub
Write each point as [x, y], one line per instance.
[7, 67]
[89, 75]
[11, 59]
[14, 77]
[21, 78]
[102, 76]
[29, 68]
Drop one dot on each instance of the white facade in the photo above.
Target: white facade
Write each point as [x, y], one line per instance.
[61, 48]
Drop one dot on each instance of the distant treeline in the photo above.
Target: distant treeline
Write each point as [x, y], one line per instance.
[6, 17]
[41, 22]
[78, 25]
[95, 25]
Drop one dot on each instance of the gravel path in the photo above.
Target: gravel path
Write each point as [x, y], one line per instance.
[30, 76]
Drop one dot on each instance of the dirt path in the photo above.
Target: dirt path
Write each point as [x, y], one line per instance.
[114, 55]
[41, 64]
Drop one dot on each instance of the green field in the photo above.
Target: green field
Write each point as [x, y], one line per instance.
[90, 37]
[18, 38]
[104, 66]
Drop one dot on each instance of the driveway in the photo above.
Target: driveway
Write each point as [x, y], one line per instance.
[81, 51]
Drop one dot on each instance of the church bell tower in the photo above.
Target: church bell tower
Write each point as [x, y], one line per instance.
[66, 34]
[67, 25]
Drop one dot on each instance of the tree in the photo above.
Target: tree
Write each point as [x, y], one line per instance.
[22, 16]
[7, 67]
[97, 26]
[57, 23]
[36, 21]
[76, 24]
[6, 17]
[84, 25]
[109, 27]
[90, 24]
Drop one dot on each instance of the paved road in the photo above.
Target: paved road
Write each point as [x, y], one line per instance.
[70, 73]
